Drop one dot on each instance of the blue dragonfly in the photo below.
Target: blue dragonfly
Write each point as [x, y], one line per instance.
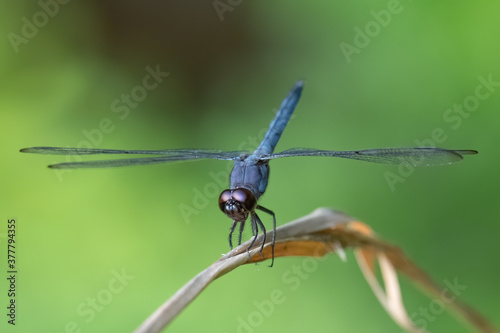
[250, 174]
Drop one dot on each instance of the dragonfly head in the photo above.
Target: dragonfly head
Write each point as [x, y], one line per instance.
[237, 203]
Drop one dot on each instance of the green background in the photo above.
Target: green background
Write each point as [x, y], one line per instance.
[227, 77]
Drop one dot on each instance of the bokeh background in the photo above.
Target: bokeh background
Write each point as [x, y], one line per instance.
[229, 69]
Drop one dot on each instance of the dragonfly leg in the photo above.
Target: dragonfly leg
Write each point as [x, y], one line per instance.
[242, 225]
[255, 232]
[270, 212]
[231, 234]
[264, 232]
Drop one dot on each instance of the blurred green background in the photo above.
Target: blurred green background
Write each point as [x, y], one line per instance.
[228, 73]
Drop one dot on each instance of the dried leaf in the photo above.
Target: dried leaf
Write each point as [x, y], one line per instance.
[323, 231]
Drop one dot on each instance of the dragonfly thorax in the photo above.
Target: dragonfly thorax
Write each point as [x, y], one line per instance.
[237, 203]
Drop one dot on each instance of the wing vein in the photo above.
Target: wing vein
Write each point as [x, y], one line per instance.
[416, 156]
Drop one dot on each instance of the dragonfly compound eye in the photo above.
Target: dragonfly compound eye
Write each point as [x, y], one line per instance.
[246, 198]
[223, 198]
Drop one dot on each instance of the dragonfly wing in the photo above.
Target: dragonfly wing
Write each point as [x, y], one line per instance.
[145, 160]
[97, 151]
[418, 156]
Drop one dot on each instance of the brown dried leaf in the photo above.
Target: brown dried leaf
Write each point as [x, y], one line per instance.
[323, 231]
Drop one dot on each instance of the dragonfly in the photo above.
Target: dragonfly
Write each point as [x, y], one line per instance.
[250, 174]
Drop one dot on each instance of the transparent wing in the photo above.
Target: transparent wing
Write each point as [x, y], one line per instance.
[168, 155]
[97, 151]
[418, 156]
